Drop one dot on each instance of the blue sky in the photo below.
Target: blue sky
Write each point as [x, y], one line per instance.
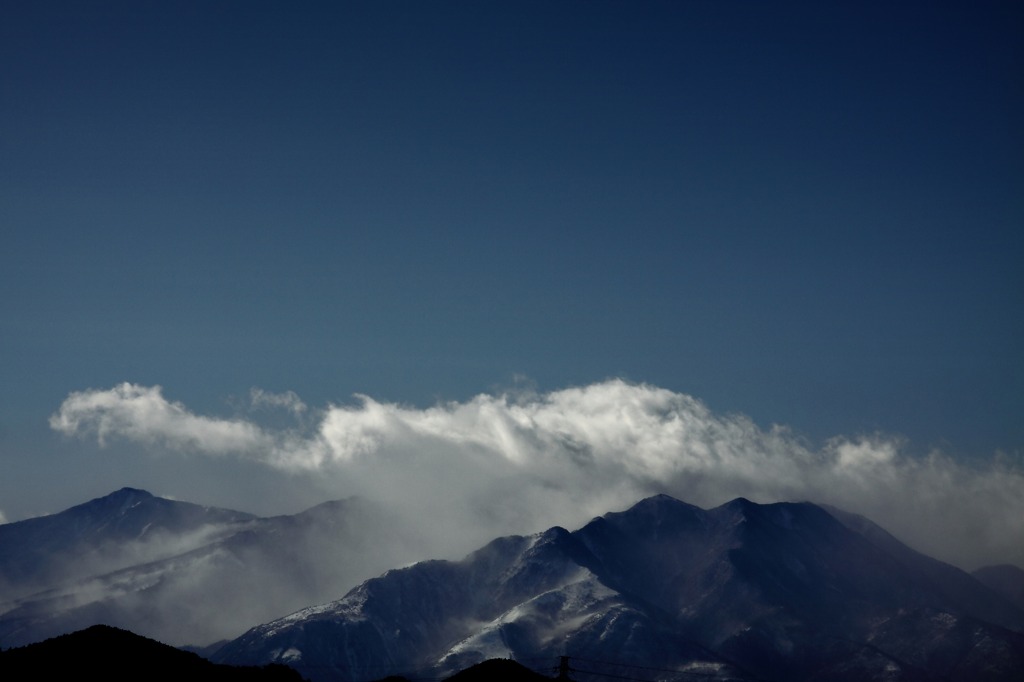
[806, 213]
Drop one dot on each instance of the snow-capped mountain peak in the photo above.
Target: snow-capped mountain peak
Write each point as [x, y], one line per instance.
[740, 591]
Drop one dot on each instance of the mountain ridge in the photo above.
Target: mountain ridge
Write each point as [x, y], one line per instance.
[743, 590]
[738, 591]
[73, 543]
[181, 572]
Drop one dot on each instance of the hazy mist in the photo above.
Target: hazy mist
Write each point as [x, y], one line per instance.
[520, 462]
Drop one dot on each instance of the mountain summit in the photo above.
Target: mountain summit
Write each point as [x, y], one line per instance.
[741, 591]
[106, 534]
[180, 572]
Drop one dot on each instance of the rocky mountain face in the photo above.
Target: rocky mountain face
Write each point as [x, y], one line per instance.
[179, 572]
[122, 529]
[742, 591]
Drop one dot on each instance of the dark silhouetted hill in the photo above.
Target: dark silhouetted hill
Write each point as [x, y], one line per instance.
[107, 654]
[503, 669]
[1004, 579]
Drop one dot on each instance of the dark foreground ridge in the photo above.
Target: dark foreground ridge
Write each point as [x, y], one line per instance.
[502, 669]
[109, 654]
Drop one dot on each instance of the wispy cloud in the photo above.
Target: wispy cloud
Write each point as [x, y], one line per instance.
[142, 414]
[518, 462]
[287, 401]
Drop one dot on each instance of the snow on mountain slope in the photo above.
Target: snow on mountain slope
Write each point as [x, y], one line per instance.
[742, 591]
[182, 573]
[125, 528]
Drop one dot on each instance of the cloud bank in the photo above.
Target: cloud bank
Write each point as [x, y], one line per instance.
[520, 462]
[142, 414]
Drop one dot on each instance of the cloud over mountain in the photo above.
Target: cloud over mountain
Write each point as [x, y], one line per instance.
[142, 414]
[514, 462]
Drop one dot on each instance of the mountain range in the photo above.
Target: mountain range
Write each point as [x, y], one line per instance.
[743, 592]
[183, 573]
[663, 590]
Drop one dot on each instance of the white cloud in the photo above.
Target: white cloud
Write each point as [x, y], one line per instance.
[287, 401]
[142, 414]
[514, 463]
[3, 517]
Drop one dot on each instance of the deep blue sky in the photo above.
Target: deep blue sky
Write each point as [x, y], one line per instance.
[808, 213]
